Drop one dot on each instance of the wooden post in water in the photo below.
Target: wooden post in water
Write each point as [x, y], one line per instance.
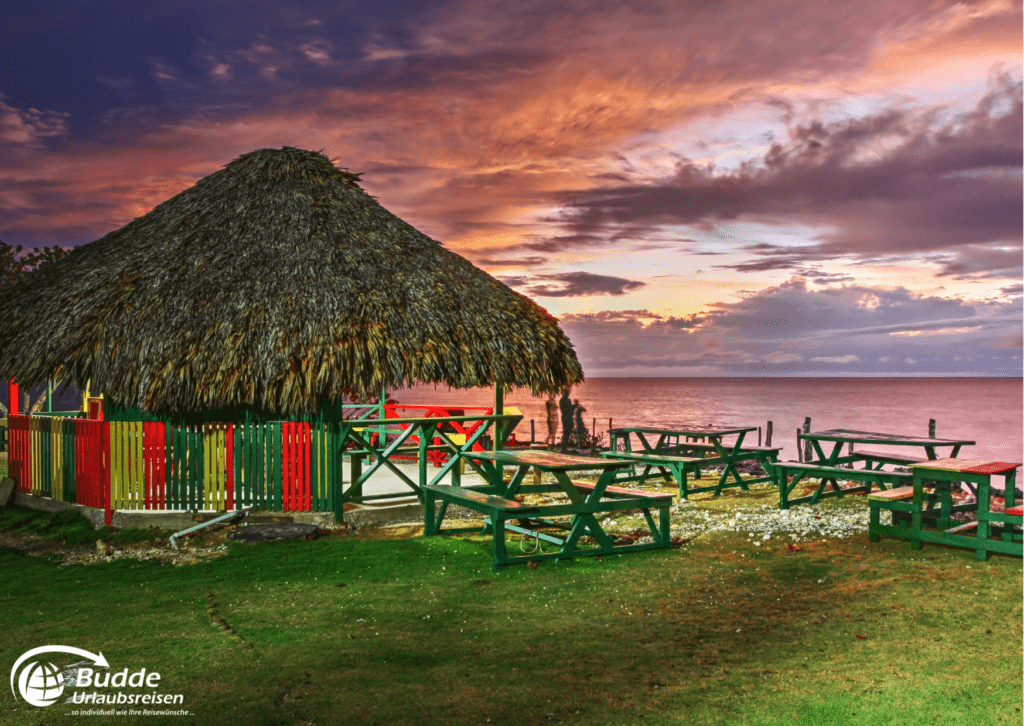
[758, 435]
[533, 433]
[807, 444]
[768, 435]
[931, 428]
[799, 448]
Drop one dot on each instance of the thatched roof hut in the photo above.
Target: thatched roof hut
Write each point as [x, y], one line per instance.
[276, 283]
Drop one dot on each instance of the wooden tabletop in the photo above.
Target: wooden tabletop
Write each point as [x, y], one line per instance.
[870, 437]
[688, 430]
[547, 460]
[967, 466]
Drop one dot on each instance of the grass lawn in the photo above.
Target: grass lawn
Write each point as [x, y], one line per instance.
[354, 629]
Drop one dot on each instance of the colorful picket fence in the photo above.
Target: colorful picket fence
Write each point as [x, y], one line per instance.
[281, 466]
[277, 466]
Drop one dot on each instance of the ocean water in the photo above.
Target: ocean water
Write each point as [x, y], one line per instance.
[989, 411]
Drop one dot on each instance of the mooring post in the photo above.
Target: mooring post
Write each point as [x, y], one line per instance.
[931, 428]
[807, 444]
[533, 432]
[799, 448]
[758, 435]
[768, 434]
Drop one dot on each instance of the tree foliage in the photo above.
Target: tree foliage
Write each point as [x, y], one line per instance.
[16, 263]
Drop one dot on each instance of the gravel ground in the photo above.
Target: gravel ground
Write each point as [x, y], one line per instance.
[762, 523]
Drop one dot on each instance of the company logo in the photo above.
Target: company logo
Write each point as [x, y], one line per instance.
[40, 682]
[36, 680]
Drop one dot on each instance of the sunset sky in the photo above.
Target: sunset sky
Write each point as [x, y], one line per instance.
[694, 187]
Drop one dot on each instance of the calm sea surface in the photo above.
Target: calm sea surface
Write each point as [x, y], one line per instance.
[985, 410]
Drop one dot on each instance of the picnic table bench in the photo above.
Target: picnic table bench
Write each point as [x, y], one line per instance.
[677, 454]
[497, 501]
[834, 466]
[990, 531]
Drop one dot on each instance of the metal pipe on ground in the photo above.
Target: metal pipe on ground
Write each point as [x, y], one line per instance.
[203, 525]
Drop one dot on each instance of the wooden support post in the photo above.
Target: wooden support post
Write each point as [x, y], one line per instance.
[768, 434]
[799, 448]
[931, 428]
[533, 432]
[499, 409]
[49, 396]
[13, 399]
[807, 444]
[758, 435]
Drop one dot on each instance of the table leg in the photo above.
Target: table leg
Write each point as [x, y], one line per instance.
[983, 520]
[915, 518]
[500, 551]
[1009, 501]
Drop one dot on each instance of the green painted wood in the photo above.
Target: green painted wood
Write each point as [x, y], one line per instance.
[581, 509]
[275, 464]
[68, 452]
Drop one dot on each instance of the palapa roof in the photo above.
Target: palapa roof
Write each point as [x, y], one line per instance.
[276, 282]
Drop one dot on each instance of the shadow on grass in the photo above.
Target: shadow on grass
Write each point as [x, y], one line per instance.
[343, 630]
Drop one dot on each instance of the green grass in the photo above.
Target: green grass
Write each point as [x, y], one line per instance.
[352, 630]
[69, 527]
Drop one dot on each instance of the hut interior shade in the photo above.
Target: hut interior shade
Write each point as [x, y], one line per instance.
[278, 283]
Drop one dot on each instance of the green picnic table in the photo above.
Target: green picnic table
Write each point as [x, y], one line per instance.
[681, 451]
[990, 531]
[830, 464]
[583, 500]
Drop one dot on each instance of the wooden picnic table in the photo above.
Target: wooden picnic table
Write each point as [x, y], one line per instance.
[831, 464]
[687, 450]
[498, 500]
[977, 534]
[841, 437]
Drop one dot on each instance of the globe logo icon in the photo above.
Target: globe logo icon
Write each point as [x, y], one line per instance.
[41, 683]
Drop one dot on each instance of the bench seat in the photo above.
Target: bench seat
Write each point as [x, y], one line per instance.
[652, 458]
[886, 457]
[966, 527]
[478, 501]
[783, 470]
[893, 495]
[655, 497]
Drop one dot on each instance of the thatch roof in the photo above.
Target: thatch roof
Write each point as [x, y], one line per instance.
[276, 282]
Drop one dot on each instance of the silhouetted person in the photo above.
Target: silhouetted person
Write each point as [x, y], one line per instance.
[566, 406]
[581, 429]
[552, 410]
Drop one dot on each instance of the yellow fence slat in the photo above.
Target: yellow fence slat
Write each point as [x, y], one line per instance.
[126, 465]
[117, 498]
[215, 463]
[56, 458]
[36, 442]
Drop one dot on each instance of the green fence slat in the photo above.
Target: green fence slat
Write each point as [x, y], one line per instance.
[195, 461]
[275, 464]
[45, 462]
[236, 465]
[314, 469]
[68, 434]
